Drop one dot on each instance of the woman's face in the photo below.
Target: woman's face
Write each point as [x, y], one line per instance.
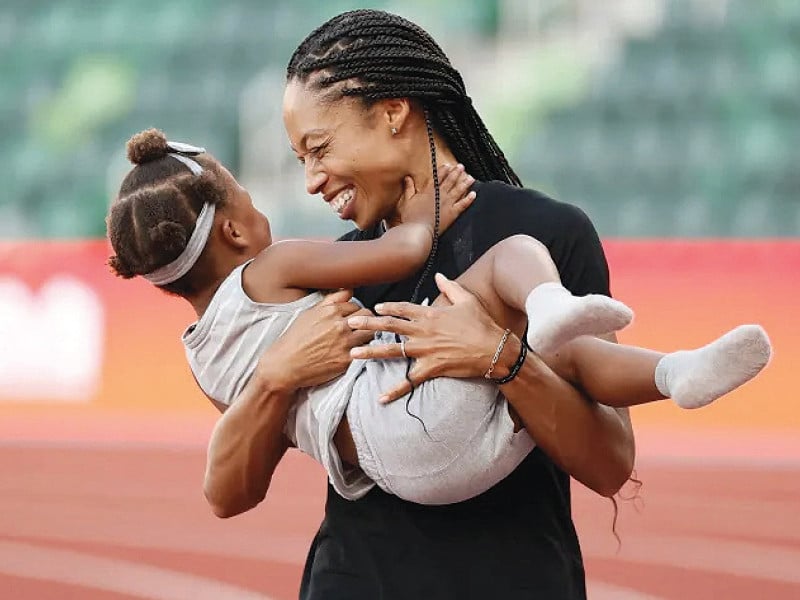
[348, 152]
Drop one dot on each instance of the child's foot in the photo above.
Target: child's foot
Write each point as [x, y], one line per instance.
[555, 316]
[694, 378]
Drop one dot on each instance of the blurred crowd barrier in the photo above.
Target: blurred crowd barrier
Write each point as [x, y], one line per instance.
[669, 118]
[77, 342]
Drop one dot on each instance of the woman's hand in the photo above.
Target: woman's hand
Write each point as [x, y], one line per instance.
[436, 336]
[417, 206]
[315, 348]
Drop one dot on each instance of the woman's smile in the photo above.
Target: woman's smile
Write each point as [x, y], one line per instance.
[343, 203]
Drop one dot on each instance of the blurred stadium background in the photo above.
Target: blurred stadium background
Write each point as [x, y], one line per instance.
[673, 123]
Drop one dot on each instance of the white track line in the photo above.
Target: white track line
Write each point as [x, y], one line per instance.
[114, 575]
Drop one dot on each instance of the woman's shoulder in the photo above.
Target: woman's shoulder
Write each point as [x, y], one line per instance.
[507, 206]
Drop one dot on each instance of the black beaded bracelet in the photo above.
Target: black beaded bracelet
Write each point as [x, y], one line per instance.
[523, 352]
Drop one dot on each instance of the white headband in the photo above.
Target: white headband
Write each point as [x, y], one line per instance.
[202, 229]
[193, 165]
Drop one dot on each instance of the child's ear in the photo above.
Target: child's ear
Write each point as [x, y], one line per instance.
[233, 234]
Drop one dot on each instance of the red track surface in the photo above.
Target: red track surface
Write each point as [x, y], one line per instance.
[97, 521]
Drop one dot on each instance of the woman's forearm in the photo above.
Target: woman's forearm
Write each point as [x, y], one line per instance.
[245, 448]
[248, 441]
[592, 442]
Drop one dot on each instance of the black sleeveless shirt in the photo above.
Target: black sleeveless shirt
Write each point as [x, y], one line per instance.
[516, 540]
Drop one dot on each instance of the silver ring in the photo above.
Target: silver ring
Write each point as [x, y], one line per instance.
[403, 349]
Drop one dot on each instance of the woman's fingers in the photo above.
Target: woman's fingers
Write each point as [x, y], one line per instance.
[378, 351]
[417, 375]
[395, 393]
[404, 310]
[382, 324]
[359, 338]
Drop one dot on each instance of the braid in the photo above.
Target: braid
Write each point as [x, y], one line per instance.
[376, 55]
[435, 245]
[431, 257]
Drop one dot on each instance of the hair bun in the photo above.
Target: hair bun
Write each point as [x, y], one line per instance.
[147, 145]
[119, 268]
[169, 237]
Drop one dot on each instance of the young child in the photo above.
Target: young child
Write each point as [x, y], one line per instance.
[182, 222]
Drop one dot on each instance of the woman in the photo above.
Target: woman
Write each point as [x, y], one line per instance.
[516, 540]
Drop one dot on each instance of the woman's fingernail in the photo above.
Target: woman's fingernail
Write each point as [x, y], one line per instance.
[354, 321]
[460, 167]
[379, 308]
[356, 353]
[383, 399]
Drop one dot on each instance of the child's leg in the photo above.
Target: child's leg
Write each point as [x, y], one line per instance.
[619, 375]
[610, 373]
[517, 276]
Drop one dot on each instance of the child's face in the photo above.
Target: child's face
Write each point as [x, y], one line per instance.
[252, 222]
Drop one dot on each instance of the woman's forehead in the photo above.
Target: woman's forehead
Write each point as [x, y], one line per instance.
[307, 113]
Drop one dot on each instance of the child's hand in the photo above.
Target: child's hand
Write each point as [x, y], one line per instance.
[454, 198]
[454, 194]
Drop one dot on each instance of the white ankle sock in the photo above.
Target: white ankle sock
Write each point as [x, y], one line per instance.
[695, 378]
[555, 316]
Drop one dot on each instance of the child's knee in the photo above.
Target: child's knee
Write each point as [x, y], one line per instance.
[524, 244]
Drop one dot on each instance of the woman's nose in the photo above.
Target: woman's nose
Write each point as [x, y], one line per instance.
[315, 178]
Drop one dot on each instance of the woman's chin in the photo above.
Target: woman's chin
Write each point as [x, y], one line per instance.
[359, 222]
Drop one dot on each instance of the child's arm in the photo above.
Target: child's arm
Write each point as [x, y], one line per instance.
[397, 254]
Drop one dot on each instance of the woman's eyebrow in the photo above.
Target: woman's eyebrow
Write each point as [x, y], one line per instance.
[309, 134]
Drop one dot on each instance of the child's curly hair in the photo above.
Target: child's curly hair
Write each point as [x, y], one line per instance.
[153, 217]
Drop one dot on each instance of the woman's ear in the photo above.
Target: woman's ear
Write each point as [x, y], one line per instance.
[394, 114]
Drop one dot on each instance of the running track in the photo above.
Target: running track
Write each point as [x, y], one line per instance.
[111, 509]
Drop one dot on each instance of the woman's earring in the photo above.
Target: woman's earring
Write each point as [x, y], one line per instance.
[394, 130]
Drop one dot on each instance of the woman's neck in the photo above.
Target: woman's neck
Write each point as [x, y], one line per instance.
[421, 172]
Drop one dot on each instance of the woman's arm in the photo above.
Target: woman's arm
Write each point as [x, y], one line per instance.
[246, 445]
[396, 255]
[593, 443]
[248, 440]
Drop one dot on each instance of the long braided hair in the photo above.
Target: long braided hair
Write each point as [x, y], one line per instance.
[375, 55]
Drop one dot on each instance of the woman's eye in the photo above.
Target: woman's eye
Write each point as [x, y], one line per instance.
[318, 151]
